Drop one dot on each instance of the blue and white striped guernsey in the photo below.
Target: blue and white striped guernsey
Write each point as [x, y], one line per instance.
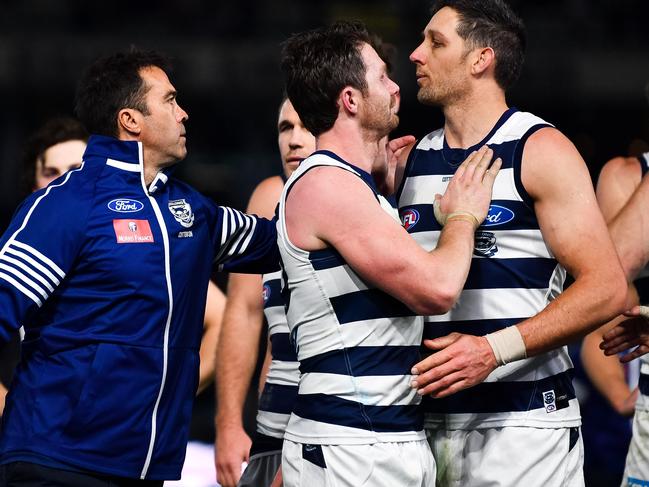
[513, 276]
[356, 345]
[280, 390]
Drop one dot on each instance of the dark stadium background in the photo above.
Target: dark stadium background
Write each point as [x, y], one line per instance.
[586, 71]
[586, 68]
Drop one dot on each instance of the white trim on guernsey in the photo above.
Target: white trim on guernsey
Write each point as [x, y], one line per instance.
[165, 349]
[124, 166]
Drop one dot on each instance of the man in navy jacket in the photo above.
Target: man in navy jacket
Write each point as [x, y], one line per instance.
[107, 270]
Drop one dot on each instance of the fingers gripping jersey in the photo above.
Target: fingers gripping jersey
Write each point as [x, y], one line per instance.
[109, 279]
[513, 276]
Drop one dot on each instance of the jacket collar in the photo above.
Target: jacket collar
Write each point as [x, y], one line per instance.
[124, 155]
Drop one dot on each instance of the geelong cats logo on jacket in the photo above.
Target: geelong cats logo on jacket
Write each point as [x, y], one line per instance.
[182, 212]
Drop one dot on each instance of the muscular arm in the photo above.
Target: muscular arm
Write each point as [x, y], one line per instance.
[630, 231]
[214, 308]
[576, 233]
[237, 352]
[617, 182]
[556, 178]
[377, 247]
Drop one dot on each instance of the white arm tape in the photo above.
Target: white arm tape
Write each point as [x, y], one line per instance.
[507, 344]
[644, 312]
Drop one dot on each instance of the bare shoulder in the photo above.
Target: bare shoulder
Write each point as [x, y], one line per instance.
[328, 185]
[621, 170]
[326, 205]
[550, 146]
[550, 161]
[265, 197]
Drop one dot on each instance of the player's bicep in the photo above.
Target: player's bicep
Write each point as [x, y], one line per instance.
[370, 240]
[556, 177]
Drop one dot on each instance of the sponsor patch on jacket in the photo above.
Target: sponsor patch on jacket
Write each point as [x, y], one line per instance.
[125, 205]
[265, 293]
[132, 231]
[182, 212]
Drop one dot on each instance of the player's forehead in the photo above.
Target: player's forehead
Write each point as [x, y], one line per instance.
[372, 60]
[443, 23]
[287, 113]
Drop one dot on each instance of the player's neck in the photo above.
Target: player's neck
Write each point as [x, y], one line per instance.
[352, 145]
[469, 120]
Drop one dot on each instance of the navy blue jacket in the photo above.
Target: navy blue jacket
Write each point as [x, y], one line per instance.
[109, 279]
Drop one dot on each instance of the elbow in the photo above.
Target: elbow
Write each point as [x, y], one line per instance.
[616, 298]
[437, 302]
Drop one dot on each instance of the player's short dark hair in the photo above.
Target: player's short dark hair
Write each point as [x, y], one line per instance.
[54, 131]
[317, 65]
[491, 23]
[112, 83]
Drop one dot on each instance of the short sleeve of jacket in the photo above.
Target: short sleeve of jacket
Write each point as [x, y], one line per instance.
[244, 243]
[37, 251]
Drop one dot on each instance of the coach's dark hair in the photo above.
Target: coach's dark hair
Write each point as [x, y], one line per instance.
[491, 23]
[112, 83]
[317, 65]
[54, 131]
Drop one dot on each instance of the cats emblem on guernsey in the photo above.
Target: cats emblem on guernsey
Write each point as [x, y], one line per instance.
[409, 218]
[485, 244]
[182, 212]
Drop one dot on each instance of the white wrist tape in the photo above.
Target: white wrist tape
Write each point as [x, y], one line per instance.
[507, 344]
[644, 312]
[442, 217]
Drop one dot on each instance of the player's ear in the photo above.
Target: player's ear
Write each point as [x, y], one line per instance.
[483, 58]
[349, 98]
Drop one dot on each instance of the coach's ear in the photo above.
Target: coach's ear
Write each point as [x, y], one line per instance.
[129, 122]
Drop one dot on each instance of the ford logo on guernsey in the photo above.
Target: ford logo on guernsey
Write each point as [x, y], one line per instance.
[124, 205]
[498, 215]
[409, 218]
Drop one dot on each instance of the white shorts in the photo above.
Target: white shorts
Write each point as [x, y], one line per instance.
[636, 472]
[399, 464]
[508, 457]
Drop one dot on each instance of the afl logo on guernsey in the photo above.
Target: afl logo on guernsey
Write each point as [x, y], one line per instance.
[498, 215]
[124, 205]
[266, 293]
[409, 218]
